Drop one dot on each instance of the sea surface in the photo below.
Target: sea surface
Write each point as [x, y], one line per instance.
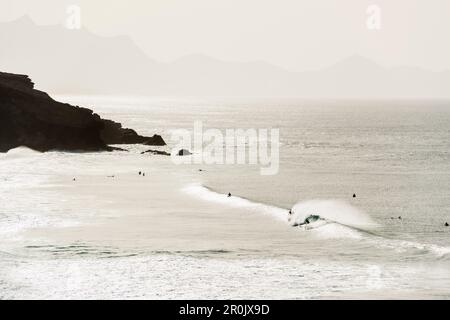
[88, 226]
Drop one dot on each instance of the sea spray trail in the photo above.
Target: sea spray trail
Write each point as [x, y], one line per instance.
[337, 218]
[343, 220]
[333, 210]
[207, 194]
[336, 212]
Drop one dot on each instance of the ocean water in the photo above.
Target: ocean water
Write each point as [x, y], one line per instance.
[174, 233]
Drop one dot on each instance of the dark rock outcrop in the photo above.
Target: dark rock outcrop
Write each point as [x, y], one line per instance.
[156, 152]
[113, 133]
[31, 118]
[155, 140]
[184, 152]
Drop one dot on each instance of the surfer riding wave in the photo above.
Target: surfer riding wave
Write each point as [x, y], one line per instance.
[324, 218]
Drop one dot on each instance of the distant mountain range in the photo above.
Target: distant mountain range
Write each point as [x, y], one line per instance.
[62, 61]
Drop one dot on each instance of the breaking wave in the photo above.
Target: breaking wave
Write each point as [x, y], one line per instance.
[336, 219]
[20, 152]
[208, 194]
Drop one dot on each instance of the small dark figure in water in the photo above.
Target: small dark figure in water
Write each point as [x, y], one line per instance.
[446, 224]
[140, 172]
[312, 218]
[290, 211]
[229, 195]
[400, 217]
[354, 195]
[74, 179]
[143, 174]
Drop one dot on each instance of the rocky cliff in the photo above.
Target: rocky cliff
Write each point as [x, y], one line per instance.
[31, 118]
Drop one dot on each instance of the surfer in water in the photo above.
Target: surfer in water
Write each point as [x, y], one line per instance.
[229, 194]
[310, 219]
[446, 224]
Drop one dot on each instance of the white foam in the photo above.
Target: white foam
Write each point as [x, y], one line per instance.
[404, 245]
[20, 152]
[12, 226]
[323, 230]
[336, 231]
[334, 211]
[207, 194]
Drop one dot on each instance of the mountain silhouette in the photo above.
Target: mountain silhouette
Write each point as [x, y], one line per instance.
[65, 61]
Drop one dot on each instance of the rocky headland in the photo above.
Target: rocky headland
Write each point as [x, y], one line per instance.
[31, 118]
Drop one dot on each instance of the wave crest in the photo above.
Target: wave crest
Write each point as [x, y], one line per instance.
[333, 211]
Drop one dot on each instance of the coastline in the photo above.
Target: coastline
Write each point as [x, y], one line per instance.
[145, 237]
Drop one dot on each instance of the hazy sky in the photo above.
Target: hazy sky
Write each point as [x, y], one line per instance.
[295, 34]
